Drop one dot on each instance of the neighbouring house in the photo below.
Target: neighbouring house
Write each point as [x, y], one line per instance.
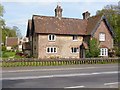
[12, 43]
[15, 43]
[21, 43]
[26, 48]
[61, 37]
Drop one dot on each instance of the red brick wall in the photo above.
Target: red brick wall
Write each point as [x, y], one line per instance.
[108, 38]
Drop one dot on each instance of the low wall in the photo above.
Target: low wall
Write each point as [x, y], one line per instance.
[52, 62]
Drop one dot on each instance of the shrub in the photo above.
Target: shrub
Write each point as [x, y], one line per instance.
[3, 48]
[93, 51]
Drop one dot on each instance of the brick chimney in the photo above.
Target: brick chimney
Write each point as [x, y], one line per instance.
[86, 15]
[58, 11]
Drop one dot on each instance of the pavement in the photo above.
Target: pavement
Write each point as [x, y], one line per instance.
[69, 76]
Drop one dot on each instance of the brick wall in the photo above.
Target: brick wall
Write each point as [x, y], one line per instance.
[108, 38]
[63, 44]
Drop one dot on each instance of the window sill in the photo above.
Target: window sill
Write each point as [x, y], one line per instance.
[75, 40]
[75, 53]
[51, 40]
[101, 41]
[51, 53]
[103, 55]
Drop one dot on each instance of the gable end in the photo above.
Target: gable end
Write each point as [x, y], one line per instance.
[103, 18]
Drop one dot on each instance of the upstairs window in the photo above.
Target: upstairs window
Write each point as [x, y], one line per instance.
[51, 37]
[74, 50]
[101, 36]
[75, 38]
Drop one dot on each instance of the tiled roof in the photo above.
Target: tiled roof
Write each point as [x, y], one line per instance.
[53, 25]
[29, 27]
[85, 45]
[12, 41]
[71, 26]
[91, 24]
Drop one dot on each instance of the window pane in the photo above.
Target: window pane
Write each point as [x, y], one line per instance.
[72, 49]
[49, 37]
[74, 37]
[51, 50]
[102, 51]
[54, 49]
[102, 37]
[75, 50]
[48, 49]
[53, 37]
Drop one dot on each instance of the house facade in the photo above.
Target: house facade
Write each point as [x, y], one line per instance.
[60, 37]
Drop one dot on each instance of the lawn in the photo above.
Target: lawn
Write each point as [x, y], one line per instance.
[10, 54]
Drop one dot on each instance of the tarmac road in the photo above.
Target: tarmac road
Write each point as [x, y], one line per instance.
[70, 76]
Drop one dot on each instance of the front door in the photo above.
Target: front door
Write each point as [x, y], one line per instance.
[82, 52]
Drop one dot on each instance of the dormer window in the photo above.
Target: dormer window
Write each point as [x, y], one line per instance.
[101, 36]
[75, 38]
[51, 37]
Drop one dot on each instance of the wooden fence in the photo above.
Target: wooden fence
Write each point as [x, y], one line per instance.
[52, 62]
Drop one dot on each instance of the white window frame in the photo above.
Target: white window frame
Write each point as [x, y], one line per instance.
[101, 36]
[50, 49]
[72, 51]
[51, 35]
[103, 52]
[75, 36]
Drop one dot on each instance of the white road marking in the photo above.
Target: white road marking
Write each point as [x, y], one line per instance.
[60, 75]
[74, 87]
[110, 83]
[56, 69]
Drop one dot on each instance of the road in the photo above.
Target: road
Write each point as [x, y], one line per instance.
[70, 76]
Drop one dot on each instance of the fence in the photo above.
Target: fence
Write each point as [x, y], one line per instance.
[52, 62]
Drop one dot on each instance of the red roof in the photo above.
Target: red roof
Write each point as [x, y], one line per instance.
[53, 25]
[12, 41]
[69, 26]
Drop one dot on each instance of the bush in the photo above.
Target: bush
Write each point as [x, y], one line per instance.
[3, 48]
[93, 51]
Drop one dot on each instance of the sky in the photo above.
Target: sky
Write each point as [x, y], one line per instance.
[17, 12]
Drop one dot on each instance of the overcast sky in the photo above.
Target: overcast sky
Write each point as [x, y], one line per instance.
[18, 13]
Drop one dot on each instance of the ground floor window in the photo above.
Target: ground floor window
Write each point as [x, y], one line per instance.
[103, 52]
[74, 49]
[51, 50]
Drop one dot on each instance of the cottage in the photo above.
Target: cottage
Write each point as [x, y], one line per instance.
[57, 36]
[12, 43]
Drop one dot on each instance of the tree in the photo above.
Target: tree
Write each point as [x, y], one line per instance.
[112, 12]
[4, 30]
[94, 50]
[2, 22]
[9, 32]
[18, 33]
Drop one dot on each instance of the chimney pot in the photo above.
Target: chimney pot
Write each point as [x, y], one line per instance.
[86, 15]
[58, 11]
